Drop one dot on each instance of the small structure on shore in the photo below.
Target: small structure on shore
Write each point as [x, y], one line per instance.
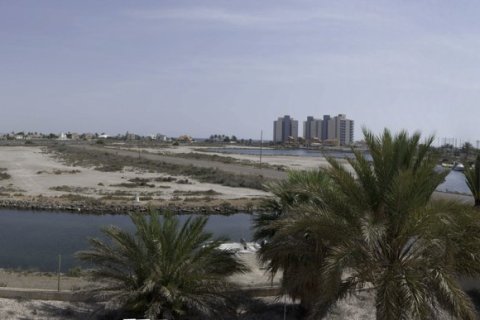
[137, 199]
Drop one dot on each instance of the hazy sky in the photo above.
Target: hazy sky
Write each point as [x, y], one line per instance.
[203, 67]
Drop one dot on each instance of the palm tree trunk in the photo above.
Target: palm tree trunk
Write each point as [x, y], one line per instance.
[308, 302]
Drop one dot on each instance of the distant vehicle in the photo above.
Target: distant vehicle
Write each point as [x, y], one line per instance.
[447, 165]
[458, 167]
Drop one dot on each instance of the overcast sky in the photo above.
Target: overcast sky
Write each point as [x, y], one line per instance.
[203, 67]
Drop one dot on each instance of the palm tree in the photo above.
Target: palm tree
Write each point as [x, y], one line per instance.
[296, 255]
[472, 176]
[379, 229]
[165, 269]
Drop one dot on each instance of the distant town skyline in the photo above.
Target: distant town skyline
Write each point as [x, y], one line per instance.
[198, 68]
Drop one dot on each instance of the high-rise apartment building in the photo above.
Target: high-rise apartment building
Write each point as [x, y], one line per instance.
[344, 128]
[340, 129]
[326, 118]
[285, 128]
[337, 130]
[312, 129]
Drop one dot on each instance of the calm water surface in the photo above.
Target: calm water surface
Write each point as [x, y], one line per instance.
[454, 182]
[283, 152]
[34, 239]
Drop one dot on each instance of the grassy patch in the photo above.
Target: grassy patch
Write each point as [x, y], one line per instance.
[65, 188]
[75, 272]
[225, 159]
[135, 183]
[197, 199]
[209, 157]
[58, 172]
[132, 185]
[79, 198]
[10, 188]
[3, 174]
[209, 192]
[165, 179]
[127, 195]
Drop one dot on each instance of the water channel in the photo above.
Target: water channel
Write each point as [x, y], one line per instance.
[34, 239]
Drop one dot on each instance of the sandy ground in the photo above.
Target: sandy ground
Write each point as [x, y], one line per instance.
[357, 307]
[289, 162]
[34, 172]
[37, 173]
[256, 277]
[14, 309]
[353, 308]
[39, 280]
[40, 309]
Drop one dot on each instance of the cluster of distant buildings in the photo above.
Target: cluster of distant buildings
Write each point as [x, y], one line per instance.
[76, 136]
[334, 131]
[337, 130]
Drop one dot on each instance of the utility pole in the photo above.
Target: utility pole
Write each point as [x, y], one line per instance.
[261, 147]
[59, 268]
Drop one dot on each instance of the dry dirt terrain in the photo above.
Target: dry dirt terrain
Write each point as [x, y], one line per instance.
[256, 277]
[34, 172]
[288, 162]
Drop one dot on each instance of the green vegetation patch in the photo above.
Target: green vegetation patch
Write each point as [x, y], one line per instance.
[10, 188]
[209, 157]
[135, 183]
[4, 175]
[74, 189]
[79, 198]
[198, 199]
[58, 172]
[209, 192]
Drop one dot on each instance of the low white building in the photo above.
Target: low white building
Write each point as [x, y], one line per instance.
[62, 136]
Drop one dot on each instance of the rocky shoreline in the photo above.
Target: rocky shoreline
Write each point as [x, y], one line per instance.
[99, 208]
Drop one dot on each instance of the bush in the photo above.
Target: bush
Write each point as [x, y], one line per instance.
[74, 272]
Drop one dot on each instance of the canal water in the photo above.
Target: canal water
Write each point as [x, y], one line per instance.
[34, 239]
[454, 183]
[284, 152]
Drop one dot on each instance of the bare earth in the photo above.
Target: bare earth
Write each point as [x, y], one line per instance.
[289, 162]
[14, 309]
[354, 307]
[41, 309]
[34, 173]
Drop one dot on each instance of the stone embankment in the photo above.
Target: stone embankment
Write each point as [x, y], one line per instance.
[87, 207]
